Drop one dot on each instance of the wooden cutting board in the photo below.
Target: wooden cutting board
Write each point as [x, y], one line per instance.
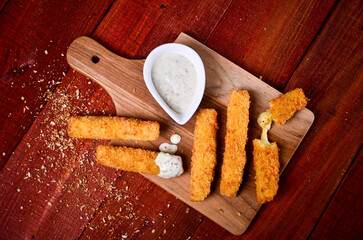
[123, 79]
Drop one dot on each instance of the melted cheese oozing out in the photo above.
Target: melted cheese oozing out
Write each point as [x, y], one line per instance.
[265, 120]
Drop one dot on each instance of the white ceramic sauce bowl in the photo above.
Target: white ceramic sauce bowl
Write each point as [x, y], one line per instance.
[194, 58]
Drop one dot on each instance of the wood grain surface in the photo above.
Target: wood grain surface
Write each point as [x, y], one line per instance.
[272, 43]
[315, 42]
[33, 45]
[344, 207]
[330, 71]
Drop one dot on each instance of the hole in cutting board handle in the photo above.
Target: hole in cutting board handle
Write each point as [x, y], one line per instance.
[95, 59]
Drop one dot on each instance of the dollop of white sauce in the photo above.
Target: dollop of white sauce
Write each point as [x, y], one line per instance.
[175, 138]
[170, 165]
[175, 79]
[168, 148]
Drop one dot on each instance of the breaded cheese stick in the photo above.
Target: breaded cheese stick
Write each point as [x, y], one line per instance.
[267, 165]
[101, 127]
[204, 157]
[234, 158]
[139, 160]
[283, 107]
[266, 154]
[128, 159]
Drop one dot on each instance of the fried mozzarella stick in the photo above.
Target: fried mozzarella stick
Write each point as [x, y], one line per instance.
[234, 158]
[112, 128]
[128, 159]
[266, 154]
[139, 160]
[284, 107]
[204, 157]
[267, 167]
[266, 162]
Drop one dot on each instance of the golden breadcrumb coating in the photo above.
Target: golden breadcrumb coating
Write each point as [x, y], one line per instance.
[204, 157]
[283, 107]
[234, 158]
[128, 159]
[267, 167]
[99, 127]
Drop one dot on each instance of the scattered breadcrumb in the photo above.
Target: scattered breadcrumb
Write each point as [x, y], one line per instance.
[187, 210]
[77, 93]
[70, 157]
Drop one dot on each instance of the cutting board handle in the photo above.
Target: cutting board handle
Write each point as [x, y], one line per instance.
[111, 71]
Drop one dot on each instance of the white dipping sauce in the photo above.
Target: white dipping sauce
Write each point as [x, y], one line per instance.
[168, 148]
[170, 165]
[175, 138]
[175, 79]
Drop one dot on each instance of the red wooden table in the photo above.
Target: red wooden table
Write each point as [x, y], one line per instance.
[51, 187]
